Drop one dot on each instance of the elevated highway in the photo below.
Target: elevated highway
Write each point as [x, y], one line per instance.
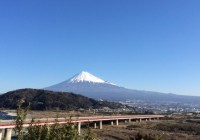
[7, 126]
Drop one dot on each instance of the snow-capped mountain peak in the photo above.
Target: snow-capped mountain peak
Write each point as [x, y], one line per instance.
[83, 82]
[86, 77]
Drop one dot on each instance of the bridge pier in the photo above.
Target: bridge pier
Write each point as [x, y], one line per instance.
[73, 126]
[95, 125]
[112, 123]
[0, 134]
[8, 134]
[79, 128]
[140, 120]
[129, 120]
[100, 125]
[136, 120]
[117, 122]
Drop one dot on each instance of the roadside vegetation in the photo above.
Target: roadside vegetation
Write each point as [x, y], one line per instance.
[68, 131]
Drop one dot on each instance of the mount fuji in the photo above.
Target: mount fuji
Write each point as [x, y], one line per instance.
[91, 86]
[88, 85]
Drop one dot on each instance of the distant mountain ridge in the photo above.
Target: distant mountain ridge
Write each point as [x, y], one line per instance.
[91, 86]
[49, 100]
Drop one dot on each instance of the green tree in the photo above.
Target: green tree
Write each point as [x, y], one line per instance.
[21, 116]
[70, 131]
[89, 134]
[37, 132]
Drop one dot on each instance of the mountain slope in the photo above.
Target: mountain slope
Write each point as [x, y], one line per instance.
[47, 100]
[94, 87]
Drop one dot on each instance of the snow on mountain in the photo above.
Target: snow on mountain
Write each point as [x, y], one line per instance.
[86, 77]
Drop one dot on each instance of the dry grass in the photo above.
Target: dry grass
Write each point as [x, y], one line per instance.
[128, 131]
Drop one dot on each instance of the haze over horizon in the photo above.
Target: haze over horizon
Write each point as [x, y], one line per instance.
[144, 45]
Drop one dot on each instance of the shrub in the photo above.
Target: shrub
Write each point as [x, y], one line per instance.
[56, 131]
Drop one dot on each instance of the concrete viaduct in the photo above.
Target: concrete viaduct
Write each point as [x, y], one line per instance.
[98, 121]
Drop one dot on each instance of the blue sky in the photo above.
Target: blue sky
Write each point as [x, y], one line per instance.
[140, 44]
